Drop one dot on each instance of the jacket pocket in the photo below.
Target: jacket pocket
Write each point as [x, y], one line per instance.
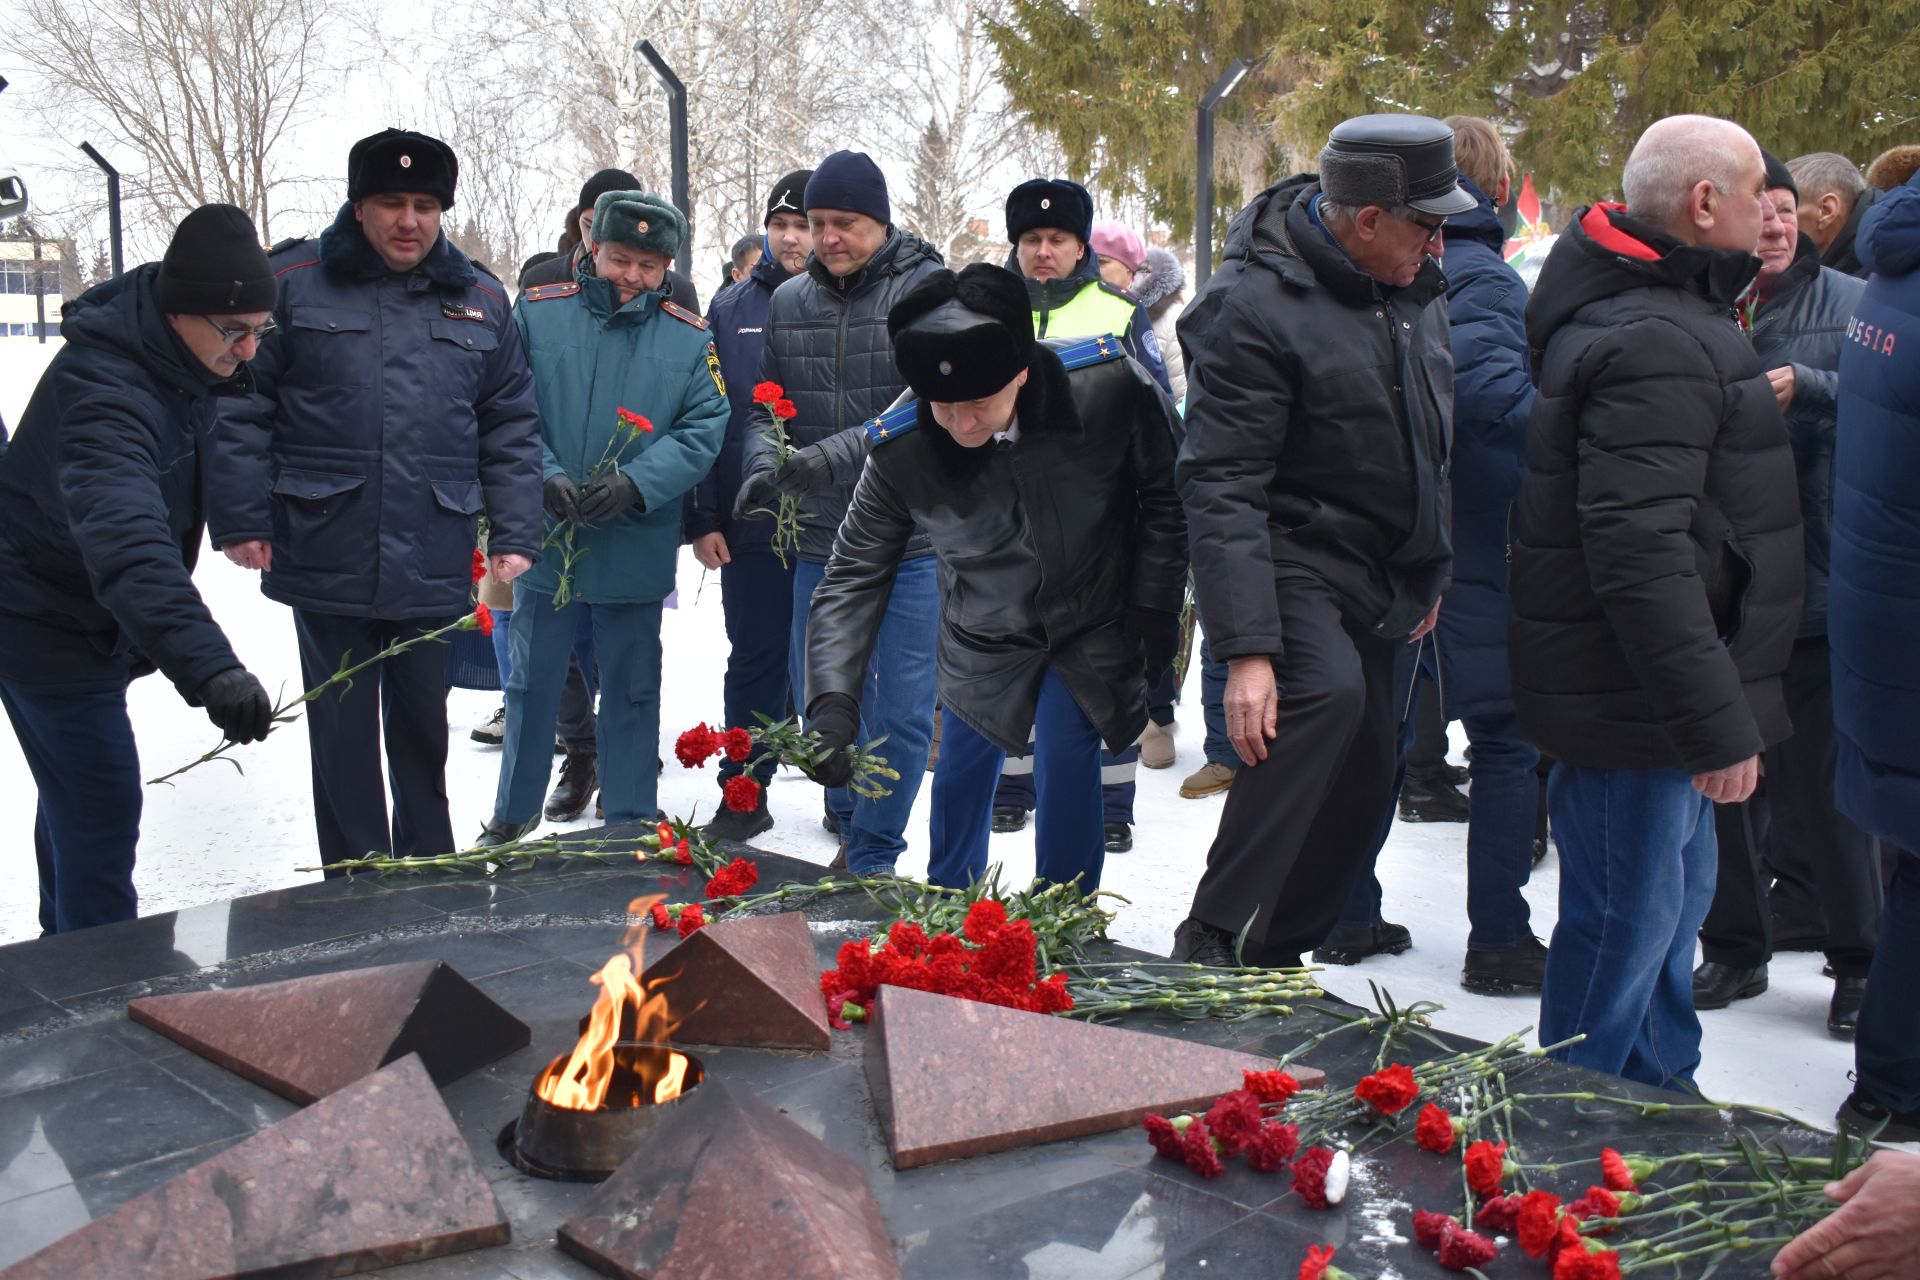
[332, 347]
[449, 536]
[321, 520]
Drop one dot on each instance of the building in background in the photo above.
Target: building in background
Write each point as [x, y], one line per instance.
[34, 272]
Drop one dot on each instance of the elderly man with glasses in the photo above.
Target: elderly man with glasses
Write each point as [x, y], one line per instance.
[392, 407]
[1314, 475]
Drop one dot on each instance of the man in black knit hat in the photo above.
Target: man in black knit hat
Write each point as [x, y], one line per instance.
[99, 527]
[1023, 465]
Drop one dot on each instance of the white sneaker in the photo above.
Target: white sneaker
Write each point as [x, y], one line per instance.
[493, 731]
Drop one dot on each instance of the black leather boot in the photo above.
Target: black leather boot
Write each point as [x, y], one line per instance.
[579, 779]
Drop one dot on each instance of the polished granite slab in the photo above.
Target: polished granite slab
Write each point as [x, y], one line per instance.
[95, 1110]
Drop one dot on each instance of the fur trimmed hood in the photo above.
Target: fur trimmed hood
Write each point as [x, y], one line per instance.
[1158, 283]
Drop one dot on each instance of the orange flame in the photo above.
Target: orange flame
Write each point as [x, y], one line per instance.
[582, 1083]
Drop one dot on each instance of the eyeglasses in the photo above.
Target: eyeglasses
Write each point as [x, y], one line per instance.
[234, 337]
[1432, 229]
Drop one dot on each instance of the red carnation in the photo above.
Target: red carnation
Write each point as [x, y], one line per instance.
[633, 421]
[683, 853]
[738, 744]
[1318, 1258]
[1429, 1229]
[1389, 1091]
[1270, 1086]
[1486, 1164]
[740, 793]
[1273, 1146]
[1310, 1176]
[768, 392]
[1235, 1120]
[783, 409]
[691, 918]
[837, 1016]
[693, 747]
[1578, 1264]
[1196, 1148]
[1566, 1237]
[664, 834]
[662, 918]
[1164, 1137]
[984, 919]
[733, 879]
[1534, 1225]
[479, 566]
[483, 619]
[1499, 1214]
[1434, 1129]
[1462, 1250]
[1614, 1171]
[1597, 1203]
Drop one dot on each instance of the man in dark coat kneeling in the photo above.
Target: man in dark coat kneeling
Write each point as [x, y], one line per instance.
[1043, 476]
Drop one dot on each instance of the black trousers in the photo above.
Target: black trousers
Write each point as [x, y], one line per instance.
[1299, 827]
[1804, 830]
[403, 700]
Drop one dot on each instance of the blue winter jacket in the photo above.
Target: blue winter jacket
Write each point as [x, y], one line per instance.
[1492, 398]
[389, 413]
[100, 505]
[1873, 602]
[592, 358]
[737, 323]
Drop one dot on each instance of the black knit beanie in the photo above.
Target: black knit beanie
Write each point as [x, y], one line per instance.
[789, 195]
[849, 180]
[215, 266]
[602, 182]
[1778, 176]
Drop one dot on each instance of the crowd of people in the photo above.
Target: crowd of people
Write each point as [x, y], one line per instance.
[1647, 532]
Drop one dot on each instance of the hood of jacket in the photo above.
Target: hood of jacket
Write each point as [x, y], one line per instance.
[1159, 280]
[1481, 224]
[1604, 252]
[1889, 239]
[1276, 231]
[123, 316]
[768, 273]
[345, 251]
[900, 253]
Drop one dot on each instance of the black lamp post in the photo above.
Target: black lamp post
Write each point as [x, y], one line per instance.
[1203, 152]
[677, 126]
[113, 202]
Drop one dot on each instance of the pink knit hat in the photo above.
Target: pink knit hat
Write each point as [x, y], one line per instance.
[1111, 240]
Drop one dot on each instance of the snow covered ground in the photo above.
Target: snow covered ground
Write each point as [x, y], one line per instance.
[218, 834]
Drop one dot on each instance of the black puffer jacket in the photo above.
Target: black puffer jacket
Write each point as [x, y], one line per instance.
[1319, 409]
[827, 346]
[1044, 544]
[100, 505]
[1656, 543]
[1802, 321]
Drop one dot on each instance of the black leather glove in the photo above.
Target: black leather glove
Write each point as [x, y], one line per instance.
[836, 718]
[237, 704]
[1159, 634]
[562, 499]
[805, 471]
[608, 496]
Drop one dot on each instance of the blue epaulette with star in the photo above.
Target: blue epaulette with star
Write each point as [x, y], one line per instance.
[894, 423]
[1081, 352]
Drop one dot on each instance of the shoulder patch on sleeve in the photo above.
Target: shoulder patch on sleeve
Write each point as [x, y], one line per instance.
[680, 313]
[713, 370]
[894, 423]
[1082, 352]
[541, 292]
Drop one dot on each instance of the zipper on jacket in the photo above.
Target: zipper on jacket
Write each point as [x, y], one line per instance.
[840, 368]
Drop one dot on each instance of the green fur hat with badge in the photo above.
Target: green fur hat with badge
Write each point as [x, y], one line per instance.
[639, 219]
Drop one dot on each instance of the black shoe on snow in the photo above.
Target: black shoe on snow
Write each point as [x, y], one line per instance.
[1350, 944]
[579, 779]
[1506, 971]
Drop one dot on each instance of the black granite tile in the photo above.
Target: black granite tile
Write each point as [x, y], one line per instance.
[1104, 1229]
[31, 1223]
[103, 1193]
[308, 913]
[1266, 1245]
[115, 955]
[258, 1108]
[106, 1121]
[550, 995]
[75, 1052]
[31, 1017]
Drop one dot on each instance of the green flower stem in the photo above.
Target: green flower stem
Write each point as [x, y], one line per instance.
[282, 713]
[1646, 1108]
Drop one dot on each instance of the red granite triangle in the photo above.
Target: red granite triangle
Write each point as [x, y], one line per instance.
[753, 981]
[374, 1176]
[307, 1037]
[953, 1078]
[729, 1186]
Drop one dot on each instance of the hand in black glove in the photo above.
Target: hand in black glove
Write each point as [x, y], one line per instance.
[562, 500]
[805, 471]
[836, 718]
[237, 704]
[1159, 634]
[608, 497]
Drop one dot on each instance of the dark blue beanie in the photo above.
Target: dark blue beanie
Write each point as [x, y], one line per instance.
[849, 180]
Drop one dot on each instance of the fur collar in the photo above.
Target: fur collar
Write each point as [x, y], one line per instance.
[1159, 280]
[344, 251]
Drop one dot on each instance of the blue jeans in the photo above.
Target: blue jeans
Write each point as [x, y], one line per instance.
[1213, 696]
[502, 649]
[1637, 860]
[756, 594]
[81, 751]
[896, 702]
[1886, 1052]
[1066, 773]
[626, 641]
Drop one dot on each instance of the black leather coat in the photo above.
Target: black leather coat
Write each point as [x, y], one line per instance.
[1044, 544]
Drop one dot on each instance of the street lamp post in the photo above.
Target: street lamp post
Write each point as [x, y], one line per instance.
[1203, 152]
[113, 202]
[677, 126]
